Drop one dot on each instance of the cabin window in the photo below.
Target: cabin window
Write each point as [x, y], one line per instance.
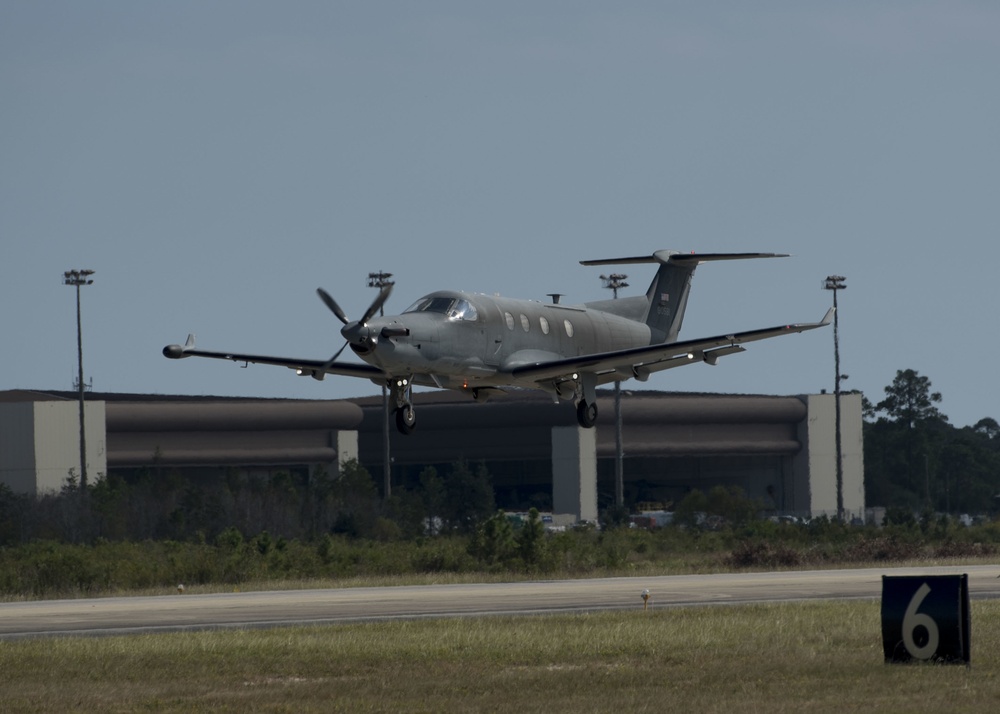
[510, 320]
[569, 328]
[544, 324]
[525, 325]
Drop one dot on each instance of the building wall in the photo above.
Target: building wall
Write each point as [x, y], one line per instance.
[274, 433]
[40, 444]
[574, 472]
[815, 467]
[780, 450]
[17, 446]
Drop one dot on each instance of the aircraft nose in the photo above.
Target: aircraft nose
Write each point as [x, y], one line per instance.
[358, 334]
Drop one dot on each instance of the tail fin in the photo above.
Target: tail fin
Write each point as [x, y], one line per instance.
[668, 293]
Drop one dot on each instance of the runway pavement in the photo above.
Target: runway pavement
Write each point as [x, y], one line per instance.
[132, 615]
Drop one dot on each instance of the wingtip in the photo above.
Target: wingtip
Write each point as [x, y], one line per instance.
[177, 351]
[828, 318]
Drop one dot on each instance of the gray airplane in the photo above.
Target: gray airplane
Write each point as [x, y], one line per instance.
[481, 344]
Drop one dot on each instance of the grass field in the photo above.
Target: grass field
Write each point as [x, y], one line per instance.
[815, 657]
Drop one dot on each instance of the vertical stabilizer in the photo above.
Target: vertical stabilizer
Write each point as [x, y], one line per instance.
[668, 293]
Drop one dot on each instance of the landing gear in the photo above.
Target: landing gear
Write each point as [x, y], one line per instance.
[406, 418]
[586, 413]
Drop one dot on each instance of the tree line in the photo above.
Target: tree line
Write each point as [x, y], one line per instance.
[165, 504]
[916, 461]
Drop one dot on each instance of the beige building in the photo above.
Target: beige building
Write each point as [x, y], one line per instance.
[40, 441]
[780, 450]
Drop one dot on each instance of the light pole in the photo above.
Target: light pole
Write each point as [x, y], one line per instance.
[380, 280]
[614, 282]
[835, 283]
[78, 278]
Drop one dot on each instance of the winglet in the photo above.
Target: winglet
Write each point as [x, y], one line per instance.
[178, 352]
[828, 317]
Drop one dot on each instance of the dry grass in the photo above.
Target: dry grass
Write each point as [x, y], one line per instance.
[818, 657]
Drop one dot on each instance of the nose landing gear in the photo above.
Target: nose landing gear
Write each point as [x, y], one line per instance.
[406, 418]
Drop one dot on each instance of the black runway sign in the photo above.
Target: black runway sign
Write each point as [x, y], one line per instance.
[926, 618]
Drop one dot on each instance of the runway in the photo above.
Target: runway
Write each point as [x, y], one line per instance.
[171, 613]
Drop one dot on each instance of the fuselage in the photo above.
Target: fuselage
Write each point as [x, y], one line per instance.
[462, 340]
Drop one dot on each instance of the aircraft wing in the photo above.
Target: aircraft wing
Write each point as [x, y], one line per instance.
[640, 362]
[313, 368]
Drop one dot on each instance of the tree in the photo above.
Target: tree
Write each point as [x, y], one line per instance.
[433, 493]
[913, 429]
[357, 499]
[987, 427]
[468, 497]
[915, 459]
[493, 543]
[531, 539]
[909, 400]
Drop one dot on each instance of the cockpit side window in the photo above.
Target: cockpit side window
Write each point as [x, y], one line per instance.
[463, 310]
[455, 309]
[432, 304]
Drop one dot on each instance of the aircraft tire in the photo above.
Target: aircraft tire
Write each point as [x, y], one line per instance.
[586, 414]
[406, 419]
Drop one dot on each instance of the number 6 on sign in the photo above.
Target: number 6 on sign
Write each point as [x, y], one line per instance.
[926, 618]
[912, 620]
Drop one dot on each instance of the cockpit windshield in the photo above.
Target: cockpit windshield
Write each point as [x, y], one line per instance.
[452, 308]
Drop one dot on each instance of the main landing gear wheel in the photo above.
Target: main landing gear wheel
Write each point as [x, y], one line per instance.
[406, 419]
[586, 414]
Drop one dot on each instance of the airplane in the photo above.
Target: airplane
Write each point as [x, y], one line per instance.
[482, 345]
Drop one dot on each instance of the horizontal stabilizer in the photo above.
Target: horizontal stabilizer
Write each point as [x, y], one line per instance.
[663, 256]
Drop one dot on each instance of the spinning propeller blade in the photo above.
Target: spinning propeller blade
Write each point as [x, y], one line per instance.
[332, 304]
[337, 354]
[383, 295]
[379, 301]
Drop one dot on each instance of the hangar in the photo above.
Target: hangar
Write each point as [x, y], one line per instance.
[779, 449]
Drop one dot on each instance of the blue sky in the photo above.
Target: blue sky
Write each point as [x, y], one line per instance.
[215, 163]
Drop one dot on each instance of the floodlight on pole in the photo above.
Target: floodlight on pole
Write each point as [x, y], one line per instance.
[77, 279]
[615, 282]
[380, 280]
[835, 283]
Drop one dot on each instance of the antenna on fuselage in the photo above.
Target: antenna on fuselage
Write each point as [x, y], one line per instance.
[555, 297]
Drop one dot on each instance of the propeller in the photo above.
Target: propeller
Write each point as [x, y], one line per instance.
[332, 304]
[355, 332]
